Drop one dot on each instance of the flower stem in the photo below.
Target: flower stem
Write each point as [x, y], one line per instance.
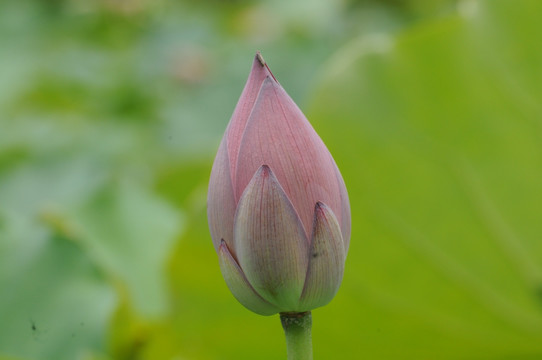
[297, 328]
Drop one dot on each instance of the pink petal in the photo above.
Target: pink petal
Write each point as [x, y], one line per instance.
[344, 215]
[239, 286]
[236, 127]
[278, 134]
[326, 260]
[220, 199]
[270, 242]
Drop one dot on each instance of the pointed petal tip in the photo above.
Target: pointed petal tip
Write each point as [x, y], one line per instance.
[265, 170]
[269, 81]
[260, 58]
[260, 63]
[321, 208]
[223, 248]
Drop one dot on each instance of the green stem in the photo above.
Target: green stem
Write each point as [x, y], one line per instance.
[297, 328]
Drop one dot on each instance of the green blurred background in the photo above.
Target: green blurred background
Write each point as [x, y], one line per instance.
[110, 115]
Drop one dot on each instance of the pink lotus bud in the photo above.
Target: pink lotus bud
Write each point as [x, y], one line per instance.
[278, 208]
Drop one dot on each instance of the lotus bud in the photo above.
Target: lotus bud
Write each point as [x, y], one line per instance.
[278, 208]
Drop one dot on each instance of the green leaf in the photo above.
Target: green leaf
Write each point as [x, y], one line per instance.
[132, 233]
[437, 132]
[55, 303]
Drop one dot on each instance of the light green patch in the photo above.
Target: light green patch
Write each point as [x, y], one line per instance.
[437, 135]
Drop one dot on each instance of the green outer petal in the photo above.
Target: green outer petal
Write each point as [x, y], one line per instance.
[326, 263]
[270, 241]
[239, 286]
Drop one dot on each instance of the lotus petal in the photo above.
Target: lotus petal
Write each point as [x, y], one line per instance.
[239, 285]
[237, 125]
[326, 259]
[279, 135]
[270, 241]
[220, 200]
[345, 219]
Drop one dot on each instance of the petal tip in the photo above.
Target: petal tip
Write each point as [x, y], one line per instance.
[269, 81]
[320, 208]
[264, 173]
[260, 58]
[265, 170]
[260, 64]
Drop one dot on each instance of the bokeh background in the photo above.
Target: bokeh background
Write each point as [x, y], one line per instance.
[111, 112]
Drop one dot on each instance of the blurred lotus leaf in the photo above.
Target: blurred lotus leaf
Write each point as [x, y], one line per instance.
[442, 156]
